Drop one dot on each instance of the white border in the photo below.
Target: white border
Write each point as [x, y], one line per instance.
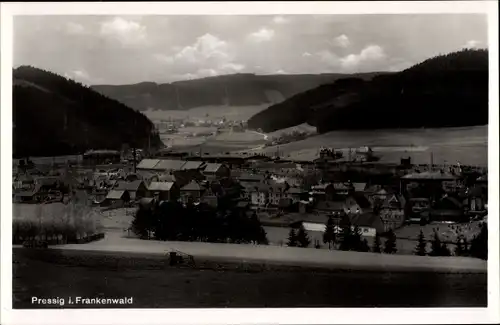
[253, 316]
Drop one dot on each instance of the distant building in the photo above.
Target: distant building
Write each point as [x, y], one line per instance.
[96, 157]
[164, 191]
[216, 171]
[137, 189]
[116, 199]
[193, 190]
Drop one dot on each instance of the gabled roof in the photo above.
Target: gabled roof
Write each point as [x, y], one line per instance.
[364, 220]
[212, 168]
[166, 164]
[128, 186]
[115, 195]
[148, 163]
[359, 187]
[191, 186]
[362, 201]
[160, 186]
[392, 200]
[192, 165]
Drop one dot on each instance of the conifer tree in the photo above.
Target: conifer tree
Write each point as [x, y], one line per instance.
[390, 243]
[376, 244]
[346, 237]
[435, 245]
[364, 246]
[292, 238]
[421, 248]
[302, 237]
[329, 235]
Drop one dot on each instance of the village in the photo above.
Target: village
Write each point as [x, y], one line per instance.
[375, 198]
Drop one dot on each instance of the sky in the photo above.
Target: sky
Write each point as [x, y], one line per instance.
[131, 49]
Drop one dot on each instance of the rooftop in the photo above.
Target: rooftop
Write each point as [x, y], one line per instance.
[191, 186]
[191, 165]
[166, 164]
[115, 195]
[128, 186]
[148, 163]
[212, 168]
[160, 186]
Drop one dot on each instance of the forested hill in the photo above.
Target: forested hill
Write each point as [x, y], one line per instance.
[444, 91]
[243, 89]
[57, 116]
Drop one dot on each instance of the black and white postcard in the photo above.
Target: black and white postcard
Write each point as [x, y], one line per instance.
[250, 162]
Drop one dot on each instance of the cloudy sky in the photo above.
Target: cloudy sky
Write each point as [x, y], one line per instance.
[131, 49]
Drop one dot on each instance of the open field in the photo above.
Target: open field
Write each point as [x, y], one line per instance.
[234, 113]
[469, 145]
[212, 284]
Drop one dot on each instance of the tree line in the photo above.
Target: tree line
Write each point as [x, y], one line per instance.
[349, 238]
[201, 222]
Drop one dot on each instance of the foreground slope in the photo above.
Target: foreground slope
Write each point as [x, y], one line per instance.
[444, 91]
[243, 89]
[57, 116]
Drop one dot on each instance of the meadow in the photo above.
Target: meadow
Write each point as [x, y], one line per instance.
[218, 284]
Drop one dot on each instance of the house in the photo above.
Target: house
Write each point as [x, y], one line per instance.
[323, 192]
[378, 196]
[369, 224]
[358, 203]
[216, 171]
[359, 187]
[430, 182]
[164, 191]
[392, 212]
[147, 164]
[28, 195]
[448, 209]
[166, 165]
[192, 190]
[277, 192]
[330, 207]
[477, 199]
[137, 189]
[116, 199]
[193, 165]
[296, 194]
[259, 194]
[343, 189]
